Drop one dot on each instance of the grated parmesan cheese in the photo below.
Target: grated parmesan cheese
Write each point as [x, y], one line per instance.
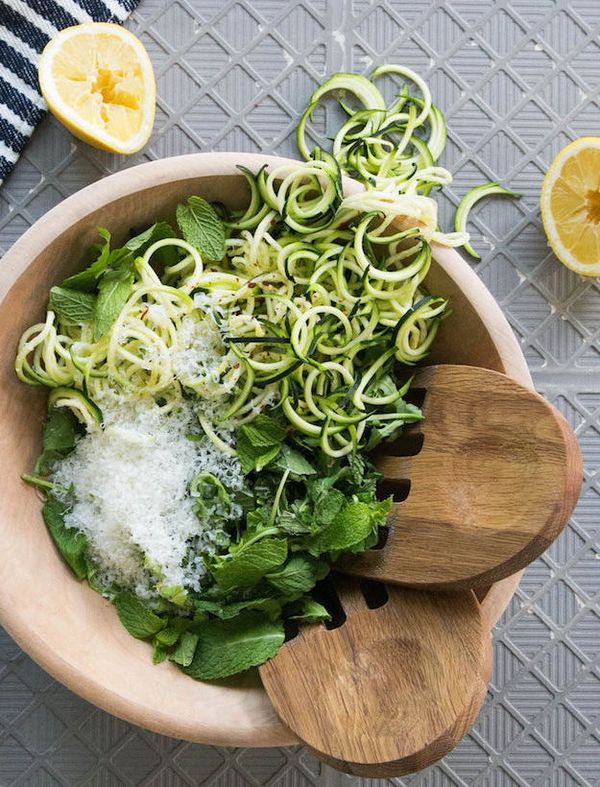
[131, 487]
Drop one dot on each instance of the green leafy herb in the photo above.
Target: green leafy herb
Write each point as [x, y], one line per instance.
[299, 574]
[86, 279]
[139, 621]
[248, 562]
[184, 653]
[113, 292]
[59, 439]
[139, 244]
[311, 612]
[389, 429]
[292, 460]
[72, 305]
[201, 226]
[327, 500]
[298, 519]
[71, 544]
[352, 525]
[226, 647]
[172, 631]
[259, 442]
[159, 652]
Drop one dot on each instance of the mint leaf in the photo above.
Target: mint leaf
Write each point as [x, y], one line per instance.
[113, 293]
[259, 442]
[172, 631]
[389, 429]
[264, 432]
[200, 226]
[159, 652]
[184, 653]
[226, 647]
[299, 575]
[311, 612]
[226, 611]
[266, 458]
[327, 501]
[72, 305]
[352, 525]
[139, 244]
[270, 606]
[86, 279]
[139, 621]
[296, 520]
[294, 461]
[71, 544]
[59, 439]
[244, 567]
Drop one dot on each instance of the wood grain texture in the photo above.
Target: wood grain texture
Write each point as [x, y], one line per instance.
[68, 629]
[392, 689]
[495, 482]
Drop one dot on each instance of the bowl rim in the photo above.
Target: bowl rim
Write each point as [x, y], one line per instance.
[15, 263]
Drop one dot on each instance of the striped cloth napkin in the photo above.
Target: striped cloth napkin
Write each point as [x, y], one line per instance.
[25, 28]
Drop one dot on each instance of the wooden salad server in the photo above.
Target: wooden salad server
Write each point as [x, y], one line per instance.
[393, 687]
[482, 486]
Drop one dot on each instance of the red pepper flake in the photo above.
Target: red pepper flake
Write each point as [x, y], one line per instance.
[236, 365]
[251, 284]
[144, 313]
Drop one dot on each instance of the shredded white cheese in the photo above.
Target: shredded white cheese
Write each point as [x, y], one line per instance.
[131, 487]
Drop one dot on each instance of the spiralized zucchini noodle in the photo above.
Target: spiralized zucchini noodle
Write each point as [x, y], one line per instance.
[317, 307]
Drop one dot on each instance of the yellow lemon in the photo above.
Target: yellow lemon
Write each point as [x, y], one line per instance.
[97, 79]
[571, 206]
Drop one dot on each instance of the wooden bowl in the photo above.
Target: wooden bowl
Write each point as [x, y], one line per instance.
[67, 628]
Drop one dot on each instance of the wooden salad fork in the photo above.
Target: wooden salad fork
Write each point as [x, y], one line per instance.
[392, 687]
[482, 486]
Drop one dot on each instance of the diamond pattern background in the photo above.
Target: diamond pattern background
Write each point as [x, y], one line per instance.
[517, 79]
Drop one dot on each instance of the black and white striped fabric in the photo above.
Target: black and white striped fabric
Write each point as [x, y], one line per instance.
[25, 28]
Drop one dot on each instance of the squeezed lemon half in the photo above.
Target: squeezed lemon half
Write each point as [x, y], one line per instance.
[98, 81]
[570, 204]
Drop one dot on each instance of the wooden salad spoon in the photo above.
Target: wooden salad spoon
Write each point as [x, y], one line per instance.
[482, 486]
[392, 687]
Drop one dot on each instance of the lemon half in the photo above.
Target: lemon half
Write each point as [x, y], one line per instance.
[570, 204]
[98, 80]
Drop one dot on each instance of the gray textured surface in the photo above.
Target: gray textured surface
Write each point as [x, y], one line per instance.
[517, 81]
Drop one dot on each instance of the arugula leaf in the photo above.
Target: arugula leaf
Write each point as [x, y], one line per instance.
[72, 305]
[113, 292]
[298, 575]
[139, 621]
[311, 612]
[247, 563]
[226, 647]
[86, 279]
[294, 461]
[201, 226]
[184, 653]
[71, 544]
[59, 438]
